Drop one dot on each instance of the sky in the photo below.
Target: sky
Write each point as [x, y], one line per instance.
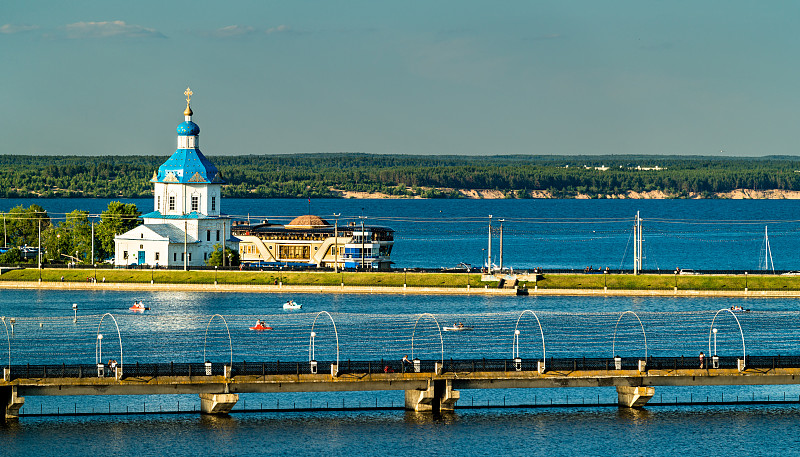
[424, 77]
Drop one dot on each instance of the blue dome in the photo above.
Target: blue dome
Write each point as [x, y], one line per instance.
[188, 128]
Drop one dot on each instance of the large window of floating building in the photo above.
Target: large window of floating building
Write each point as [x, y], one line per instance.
[294, 252]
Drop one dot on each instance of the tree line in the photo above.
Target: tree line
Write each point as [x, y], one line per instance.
[315, 175]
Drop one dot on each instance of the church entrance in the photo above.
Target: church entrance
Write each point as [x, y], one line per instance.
[140, 258]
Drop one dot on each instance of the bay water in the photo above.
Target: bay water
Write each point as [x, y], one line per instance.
[548, 233]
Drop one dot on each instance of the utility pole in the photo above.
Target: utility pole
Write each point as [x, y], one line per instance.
[489, 252]
[362, 242]
[641, 254]
[637, 245]
[185, 245]
[336, 243]
[39, 251]
[501, 244]
[93, 242]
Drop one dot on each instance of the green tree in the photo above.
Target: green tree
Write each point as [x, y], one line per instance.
[70, 239]
[116, 220]
[231, 257]
[22, 225]
[13, 255]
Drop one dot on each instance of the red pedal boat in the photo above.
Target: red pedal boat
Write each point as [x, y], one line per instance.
[260, 326]
[139, 306]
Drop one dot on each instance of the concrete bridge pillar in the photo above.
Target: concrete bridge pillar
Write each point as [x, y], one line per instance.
[217, 403]
[634, 397]
[10, 402]
[438, 397]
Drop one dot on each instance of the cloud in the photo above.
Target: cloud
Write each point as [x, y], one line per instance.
[108, 29]
[233, 31]
[17, 28]
[278, 29]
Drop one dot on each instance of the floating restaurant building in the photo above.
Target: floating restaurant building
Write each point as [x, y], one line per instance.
[312, 241]
[186, 223]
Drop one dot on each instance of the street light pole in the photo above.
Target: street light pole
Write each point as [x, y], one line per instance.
[362, 242]
[405, 276]
[715, 341]
[336, 242]
[501, 245]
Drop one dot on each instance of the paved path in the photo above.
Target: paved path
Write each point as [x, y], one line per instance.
[388, 290]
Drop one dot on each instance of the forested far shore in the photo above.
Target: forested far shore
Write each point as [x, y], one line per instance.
[336, 175]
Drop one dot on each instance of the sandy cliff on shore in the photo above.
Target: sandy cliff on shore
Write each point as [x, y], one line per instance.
[738, 194]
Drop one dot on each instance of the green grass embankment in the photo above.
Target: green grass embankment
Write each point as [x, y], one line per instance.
[667, 282]
[413, 279]
[305, 278]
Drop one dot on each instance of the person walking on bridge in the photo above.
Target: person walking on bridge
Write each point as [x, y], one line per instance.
[406, 364]
[702, 359]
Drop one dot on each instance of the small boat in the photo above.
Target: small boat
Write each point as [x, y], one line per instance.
[739, 309]
[260, 326]
[139, 306]
[292, 305]
[456, 328]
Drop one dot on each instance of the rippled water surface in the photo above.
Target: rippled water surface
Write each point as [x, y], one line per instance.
[433, 234]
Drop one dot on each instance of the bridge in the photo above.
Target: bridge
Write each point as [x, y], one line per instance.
[431, 380]
[435, 387]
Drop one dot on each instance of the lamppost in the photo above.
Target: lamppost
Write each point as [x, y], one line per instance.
[715, 340]
[715, 358]
[215, 274]
[100, 354]
[405, 276]
[745, 281]
[483, 258]
[676, 279]
[336, 243]
[152, 278]
[75, 310]
[95, 273]
[605, 279]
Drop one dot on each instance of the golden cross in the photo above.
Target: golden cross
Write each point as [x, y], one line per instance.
[188, 93]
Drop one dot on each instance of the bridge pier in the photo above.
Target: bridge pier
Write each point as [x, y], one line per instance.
[11, 403]
[217, 403]
[438, 397]
[634, 397]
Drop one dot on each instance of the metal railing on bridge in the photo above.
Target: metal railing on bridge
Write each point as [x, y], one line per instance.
[244, 368]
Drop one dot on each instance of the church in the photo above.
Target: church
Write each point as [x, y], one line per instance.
[186, 222]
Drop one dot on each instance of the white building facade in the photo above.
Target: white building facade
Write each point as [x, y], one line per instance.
[186, 222]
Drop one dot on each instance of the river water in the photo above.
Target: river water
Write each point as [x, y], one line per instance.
[694, 234]
[558, 233]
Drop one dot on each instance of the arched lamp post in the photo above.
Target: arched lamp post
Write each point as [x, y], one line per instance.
[100, 366]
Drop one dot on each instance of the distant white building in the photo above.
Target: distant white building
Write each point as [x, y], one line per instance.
[186, 222]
